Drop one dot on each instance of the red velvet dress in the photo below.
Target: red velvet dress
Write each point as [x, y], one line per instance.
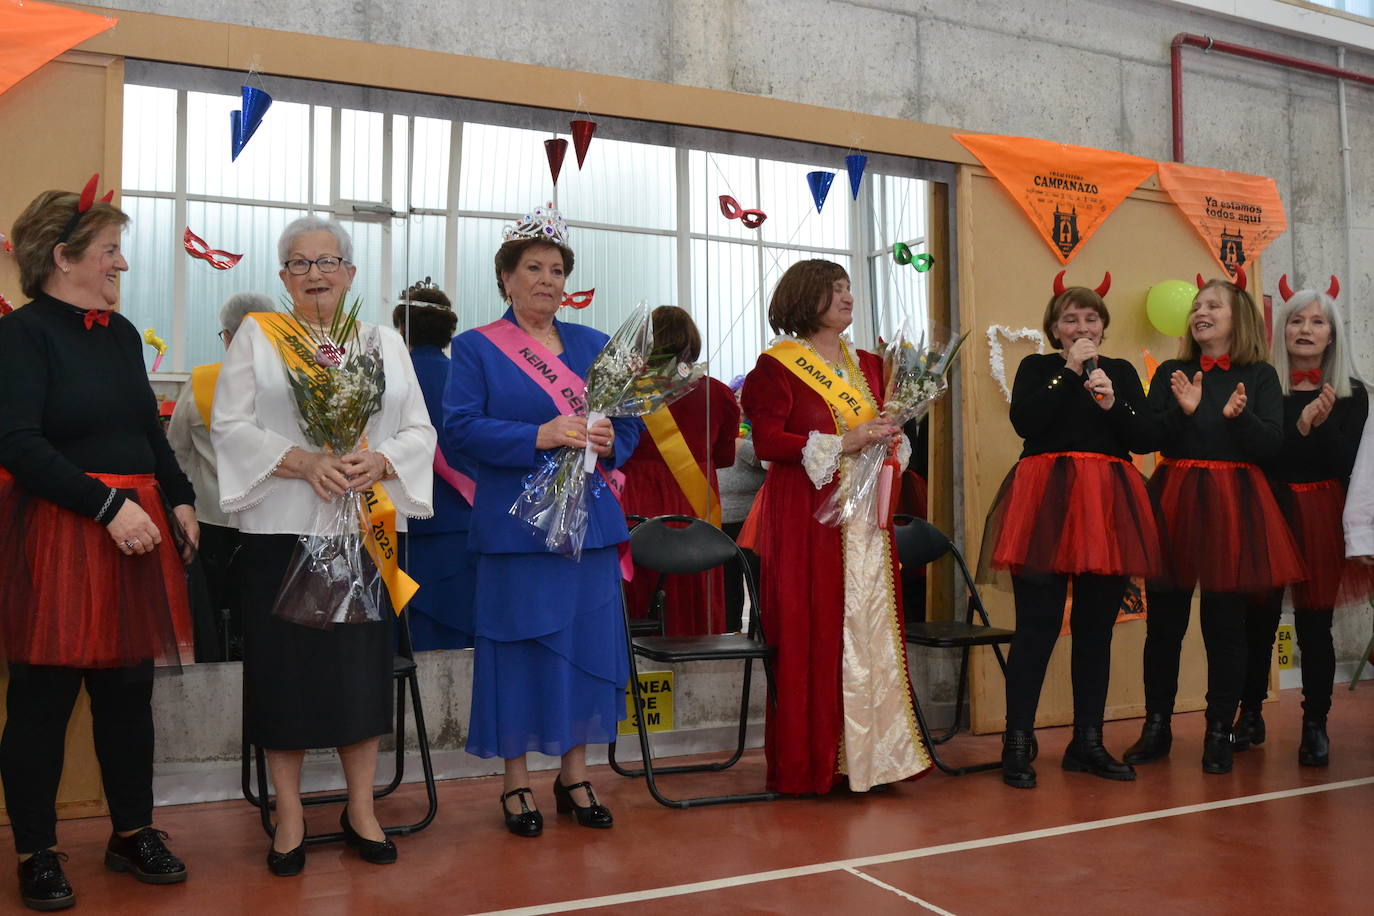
[803, 588]
[709, 420]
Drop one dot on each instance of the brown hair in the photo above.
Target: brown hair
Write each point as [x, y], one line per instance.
[38, 229]
[431, 320]
[508, 258]
[1079, 296]
[802, 295]
[1247, 328]
[676, 334]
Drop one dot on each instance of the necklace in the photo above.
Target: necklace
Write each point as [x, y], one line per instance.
[843, 367]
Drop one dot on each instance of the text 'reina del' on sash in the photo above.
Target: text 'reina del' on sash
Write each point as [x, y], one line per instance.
[378, 524]
[203, 381]
[847, 401]
[677, 455]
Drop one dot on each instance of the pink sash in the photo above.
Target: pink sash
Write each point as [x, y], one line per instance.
[465, 485]
[565, 388]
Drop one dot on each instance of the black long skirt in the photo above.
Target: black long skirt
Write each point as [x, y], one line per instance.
[303, 687]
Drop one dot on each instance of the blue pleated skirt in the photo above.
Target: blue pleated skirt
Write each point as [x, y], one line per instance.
[441, 611]
[550, 667]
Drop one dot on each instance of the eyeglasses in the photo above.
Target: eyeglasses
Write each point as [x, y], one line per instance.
[299, 267]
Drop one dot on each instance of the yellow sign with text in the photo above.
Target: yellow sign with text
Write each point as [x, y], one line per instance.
[1285, 644]
[656, 693]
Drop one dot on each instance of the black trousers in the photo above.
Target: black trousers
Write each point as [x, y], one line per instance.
[39, 703]
[1223, 636]
[734, 581]
[1313, 629]
[1039, 618]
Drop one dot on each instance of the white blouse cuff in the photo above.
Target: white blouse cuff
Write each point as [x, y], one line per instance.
[821, 457]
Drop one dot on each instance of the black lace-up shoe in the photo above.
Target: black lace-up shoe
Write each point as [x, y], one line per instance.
[42, 886]
[145, 856]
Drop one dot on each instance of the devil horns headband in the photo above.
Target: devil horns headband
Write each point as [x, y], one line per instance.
[1101, 288]
[85, 203]
[1240, 281]
[1286, 291]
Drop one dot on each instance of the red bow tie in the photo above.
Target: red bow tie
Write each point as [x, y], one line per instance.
[1222, 362]
[1306, 375]
[96, 316]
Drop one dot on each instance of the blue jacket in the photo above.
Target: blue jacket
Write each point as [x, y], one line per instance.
[451, 511]
[492, 415]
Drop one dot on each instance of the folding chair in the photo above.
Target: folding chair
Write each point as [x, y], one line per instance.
[405, 674]
[920, 543]
[660, 545]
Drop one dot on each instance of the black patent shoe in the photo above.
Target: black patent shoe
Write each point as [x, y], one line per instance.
[1216, 747]
[1315, 749]
[378, 853]
[592, 815]
[1248, 730]
[42, 886]
[145, 856]
[1156, 737]
[1018, 750]
[1085, 754]
[529, 822]
[286, 864]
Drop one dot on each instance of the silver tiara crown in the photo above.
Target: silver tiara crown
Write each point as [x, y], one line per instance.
[542, 223]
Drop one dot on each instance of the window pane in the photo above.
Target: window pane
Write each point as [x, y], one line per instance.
[323, 158]
[150, 134]
[624, 269]
[360, 155]
[474, 296]
[792, 216]
[367, 283]
[400, 162]
[504, 169]
[144, 292]
[899, 215]
[429, 175]
[273, 166]
[714, 174]
[726, 306]
[625, 184]
[424, 236]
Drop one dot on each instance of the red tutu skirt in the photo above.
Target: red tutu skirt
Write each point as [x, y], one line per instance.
[1313, 512]
[1223, 527]
[72, 598]
[1072, 513]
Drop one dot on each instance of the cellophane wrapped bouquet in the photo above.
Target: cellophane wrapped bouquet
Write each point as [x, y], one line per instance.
[915, 375]
[337, 382]
[627, 379]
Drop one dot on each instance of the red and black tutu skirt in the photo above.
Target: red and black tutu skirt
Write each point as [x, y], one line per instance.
[72, 598]
[1224, 530]
[1072, 513]
[1313, 512]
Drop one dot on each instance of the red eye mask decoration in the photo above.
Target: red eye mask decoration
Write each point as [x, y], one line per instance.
[579, 300]
[730, 209]
[195, 246]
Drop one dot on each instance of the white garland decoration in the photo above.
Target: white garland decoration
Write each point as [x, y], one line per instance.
[999, 368]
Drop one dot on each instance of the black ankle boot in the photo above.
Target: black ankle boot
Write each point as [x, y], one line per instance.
[1156, 737]
[1216, 747]
[1315, 749]
[1018, 750]
[1248, 730]
[1085, 754]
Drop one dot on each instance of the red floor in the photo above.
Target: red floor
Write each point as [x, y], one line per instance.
[941, 844]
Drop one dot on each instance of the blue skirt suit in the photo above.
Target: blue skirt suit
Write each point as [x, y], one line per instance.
[436, 549]
[550, 667]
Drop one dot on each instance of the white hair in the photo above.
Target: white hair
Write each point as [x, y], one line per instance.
[238, 306]
[297, 228]
[1336, 367]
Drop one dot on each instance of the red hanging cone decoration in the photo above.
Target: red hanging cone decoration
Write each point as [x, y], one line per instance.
[5, 307]
[5, 245]
[555, 150]
[582, 131]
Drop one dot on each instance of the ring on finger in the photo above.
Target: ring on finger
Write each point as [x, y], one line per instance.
[128, 544]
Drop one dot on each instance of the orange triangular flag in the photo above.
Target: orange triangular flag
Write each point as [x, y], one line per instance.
[1237, 215]
[1067, 191]
[31, 34]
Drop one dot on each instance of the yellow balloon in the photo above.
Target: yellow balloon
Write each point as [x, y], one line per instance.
[1167, 305]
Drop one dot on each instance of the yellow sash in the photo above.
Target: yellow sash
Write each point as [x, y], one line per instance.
[678, 456]
[379, 512]
[847, 401]
[203, 381]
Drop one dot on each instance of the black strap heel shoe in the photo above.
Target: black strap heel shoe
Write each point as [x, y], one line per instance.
[593, 815]
[528, 822]
[378, 853]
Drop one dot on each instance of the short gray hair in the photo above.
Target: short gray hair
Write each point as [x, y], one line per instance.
[297, 228]
[238, 306]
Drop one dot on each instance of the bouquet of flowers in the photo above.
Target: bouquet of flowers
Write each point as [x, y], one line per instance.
[627, 379]
[337, 383]
[914, 376]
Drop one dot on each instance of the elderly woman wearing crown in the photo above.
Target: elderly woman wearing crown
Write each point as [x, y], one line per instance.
[550, 668]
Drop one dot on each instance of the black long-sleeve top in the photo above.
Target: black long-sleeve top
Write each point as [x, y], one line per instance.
[1253, 436]
[74, 400]
[1328, 451]
[1053, 412]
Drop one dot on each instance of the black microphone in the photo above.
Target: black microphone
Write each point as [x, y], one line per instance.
[1089, 365]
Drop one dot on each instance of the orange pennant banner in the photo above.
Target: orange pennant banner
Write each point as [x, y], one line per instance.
[1237, 215]
[1067, 191]
[32, 33]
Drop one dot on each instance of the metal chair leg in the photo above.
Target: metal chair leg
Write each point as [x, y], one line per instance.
[1364, 660]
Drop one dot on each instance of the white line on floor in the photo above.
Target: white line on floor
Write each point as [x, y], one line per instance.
[899, 892]
[800, 871]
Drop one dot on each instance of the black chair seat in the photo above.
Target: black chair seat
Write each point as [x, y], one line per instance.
[402, 666]
[954, 634]
[727, 647]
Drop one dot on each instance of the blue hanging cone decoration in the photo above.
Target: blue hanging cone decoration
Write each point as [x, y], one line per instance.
[856, 163]
[243, 124]
[820, 186]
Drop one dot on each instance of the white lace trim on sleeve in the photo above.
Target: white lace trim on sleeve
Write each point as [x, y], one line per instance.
[821, 457]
